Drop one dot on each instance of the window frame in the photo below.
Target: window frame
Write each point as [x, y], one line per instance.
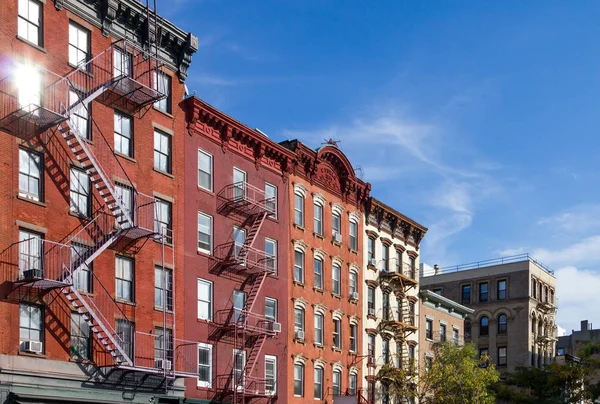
[166, 345]
[208, 302]
[318, 219]
[271, 200]
[353, 337]
[299, 210]
[370, 250]
[126, 326]
[318, 374]
[371, 299]
[500, 361]
[429, 329]
[443, 332]
[119, 137]
[129, 283]
[337, 333]
[209, 366]
[271, 259]
[319, 332]
[165, 80]
[210, 234]
[486, 293]
[502, 329]
[158, 152]
[336, 216]
[163, 290]
[209, 174]
[318, 275]
[336, 390]
[86, 51]
[31, 157]
[502, 294]
[77, 338]
[299, 269]
[484, 330]
[30, 327]
[462, 293]
[160, 224]
[352, 282]
[385, 257]
[273, 391]
[79, 250]
[353, 237]
[302, 315]
[336, 270]
[300, 368]
[274, 301]
[28, 23]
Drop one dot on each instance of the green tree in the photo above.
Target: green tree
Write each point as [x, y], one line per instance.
[453, 376]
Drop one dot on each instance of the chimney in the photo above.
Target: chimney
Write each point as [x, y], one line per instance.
[436, 269]
[584, 325]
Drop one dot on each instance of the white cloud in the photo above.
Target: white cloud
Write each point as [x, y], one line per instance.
[578, 296]
[576, 220]
[583, 253]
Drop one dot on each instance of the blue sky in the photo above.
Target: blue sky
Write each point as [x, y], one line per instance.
[477, 119]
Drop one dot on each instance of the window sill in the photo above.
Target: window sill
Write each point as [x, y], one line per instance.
[79, 216]
[207, 191]
[302, 285]
[372, 267]
[159, 308]
[164, 173]
[353, 251]
[126, 302]
[32, 355]
[38, 47]
[204, 254]
[334, 349]
[353, 301]
[371, 317]
[318, 235]
[335, 295]
[319, 346]
[26, 199]
[301, 228]
[318, 290]
[167, 244]
[204, 320]
[74, 67]
[204, 386]
[125, 157]
[162, 112]
[299, 341]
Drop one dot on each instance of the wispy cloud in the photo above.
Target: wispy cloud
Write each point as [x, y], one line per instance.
[579, 219]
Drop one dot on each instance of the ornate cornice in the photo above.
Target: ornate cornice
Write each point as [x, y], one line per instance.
[128, 19]
[232, 135]
[395, 223]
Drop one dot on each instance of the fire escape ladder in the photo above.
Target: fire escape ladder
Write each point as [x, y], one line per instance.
[257, 284]
[257, 345]
[257, 222]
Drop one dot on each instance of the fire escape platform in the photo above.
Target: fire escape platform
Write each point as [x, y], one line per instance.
[27, 122]
[129, 95]
[42, 283]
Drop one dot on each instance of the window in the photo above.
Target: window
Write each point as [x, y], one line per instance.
[428, 363]
[318, 383]
[163, 288]
[30, 174]
[455, 336]
[371, 251]
[560, 351]
[337, 333]
[502, 356]
[204, 233]
[162, 151]
[30, 323]
[270, 374]
[483, 326]
[398, 355]
[162, 84]
[371, 300]
[467, 329]
[30, 21]
[386, 306]
[502, 289]
[239, 305]
[502, 324]
[271, 255]
[429, 329]
[385, 257]
[205, 170]
[163, 343]
[352, 282]
[299, 320]
[80, 337]
[466, 294]
[318, 273]
[483, 292]
[319, 329]
[79, 44]
[336, 224]
[385, 351]
[29, 96]
[353, 329]
[163, 221]
[437, 291]
[337, 382]
[30, 254]
[298, 266]
[413, 267]
[442, 332]
[299, 210]
[298, 380]
[371, 346]
[122, 63]
[411, 354]
[125, 196]
[352, 384]
[239, 184]
[239, 363]
[271, 309]
[123, 134]
[204, 365]
[336, 271]
[533, 289]
[411, 313]
[124, 277]
[353, 235]
[271, 199]
[80, 115]
[125, 331]
[483, 352]
[82, 279]
[398, 262]
[318, 219]
[205, 296]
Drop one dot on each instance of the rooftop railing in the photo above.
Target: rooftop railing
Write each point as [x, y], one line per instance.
[487, 263]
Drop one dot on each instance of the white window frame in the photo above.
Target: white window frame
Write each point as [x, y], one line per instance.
[160, 153]
[299, 209]
[162, 83]
[204, 154]
[238, 383]
[80, 335]
[352, 282]
[123, 130]
[318, 275]
[353, 237]
[336, 279]
[274, 301]
[353, 337]
[125, 194]
[271, 198]
[300, 267]
[124, 281]
[319, 332]
[30, 326]
[271, 258]
[210, 234]
[273, 359]
[337, 333]
[80, 192]
[28, 28]
[25, 173]
[318, 219]
[163, 291]
[209, 348]
[122, 63]
[301, 368]
[318, 371]
[335, 215]
[302, 326]
[240, 187]
[202, 300]
[337, 372]
[78, 35]
[164, 225]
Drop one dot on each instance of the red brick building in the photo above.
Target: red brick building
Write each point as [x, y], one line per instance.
[236, 190]
[91, 141]
[325, 306]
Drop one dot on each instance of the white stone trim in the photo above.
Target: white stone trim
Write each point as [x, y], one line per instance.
[337, 314]
[300, 245]
[354, 216]
[300, 303]
[337, 260]
[319, 199]
[337, 207]
[338, 366]
[300, 189]
[320, 363]
[319, 309]
[320, 254]
[300, 359]
[354, 267]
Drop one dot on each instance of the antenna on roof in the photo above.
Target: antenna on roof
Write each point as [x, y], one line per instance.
[331, 142]
[358, 171]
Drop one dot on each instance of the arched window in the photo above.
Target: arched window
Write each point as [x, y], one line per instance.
[533, 325]
[484, 325]
[502, 324]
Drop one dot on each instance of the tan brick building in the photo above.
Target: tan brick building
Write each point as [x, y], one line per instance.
[514, 303]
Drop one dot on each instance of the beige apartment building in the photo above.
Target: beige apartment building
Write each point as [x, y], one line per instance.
[514, 305]
[390, 310]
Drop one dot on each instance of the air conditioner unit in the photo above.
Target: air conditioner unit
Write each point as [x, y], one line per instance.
[354, 296]
[337, 237]
[299, 334]
[276, 327]
[373, 262]
[371, 360]
[162, 364]
[371, 312]
[31, 274]
[32, 346]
